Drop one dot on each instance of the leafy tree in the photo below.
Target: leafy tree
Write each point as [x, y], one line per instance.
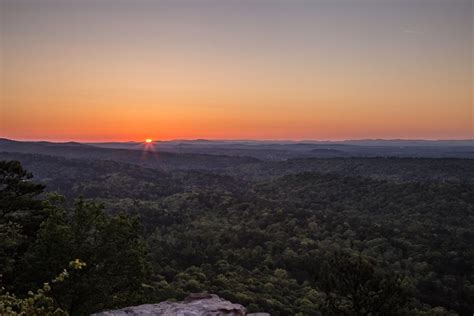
[112, 247]
[21, 213]
[40, 303]
[354, 287]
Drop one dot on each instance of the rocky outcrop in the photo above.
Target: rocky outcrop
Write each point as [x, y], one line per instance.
[193, 305]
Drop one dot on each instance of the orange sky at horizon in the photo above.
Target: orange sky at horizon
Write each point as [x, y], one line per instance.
[97, 71]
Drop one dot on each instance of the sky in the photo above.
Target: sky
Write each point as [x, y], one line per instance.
[119, 70]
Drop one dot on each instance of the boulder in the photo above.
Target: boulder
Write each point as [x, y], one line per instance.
[193, 305]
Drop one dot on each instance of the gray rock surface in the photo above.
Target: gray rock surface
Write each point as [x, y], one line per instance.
[193, 305]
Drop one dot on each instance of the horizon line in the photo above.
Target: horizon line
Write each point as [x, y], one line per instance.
[247, 140]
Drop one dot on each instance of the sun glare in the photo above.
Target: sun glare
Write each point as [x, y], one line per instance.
[148, 140]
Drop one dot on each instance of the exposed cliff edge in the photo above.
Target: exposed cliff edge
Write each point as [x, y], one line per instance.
[193, 305]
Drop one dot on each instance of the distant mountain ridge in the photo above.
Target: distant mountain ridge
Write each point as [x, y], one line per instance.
[266, 150]
[147, 157]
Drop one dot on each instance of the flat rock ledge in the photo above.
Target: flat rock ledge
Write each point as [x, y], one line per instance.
[193, 305]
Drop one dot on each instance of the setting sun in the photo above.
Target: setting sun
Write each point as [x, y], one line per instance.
[148, 140]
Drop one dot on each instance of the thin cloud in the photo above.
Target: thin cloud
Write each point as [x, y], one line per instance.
[410, 31]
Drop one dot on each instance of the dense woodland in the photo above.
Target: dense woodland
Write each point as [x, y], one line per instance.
[335, 236]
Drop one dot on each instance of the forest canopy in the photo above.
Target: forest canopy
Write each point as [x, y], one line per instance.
[305, 243]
